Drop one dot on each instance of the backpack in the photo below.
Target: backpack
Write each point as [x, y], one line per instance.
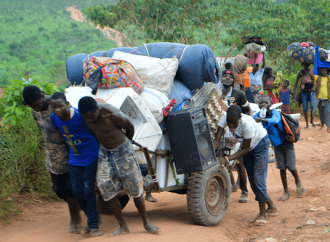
[291, 127]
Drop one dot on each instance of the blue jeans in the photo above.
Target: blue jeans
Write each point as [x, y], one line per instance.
[256, 164]
[83, 182]
[249, 95]
[307, 97]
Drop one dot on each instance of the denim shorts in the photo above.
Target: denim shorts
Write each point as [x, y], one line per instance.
[118, 171]
[307, 97]
[285, 156]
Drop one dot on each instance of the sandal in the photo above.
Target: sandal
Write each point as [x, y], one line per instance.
[284, 197]
[96, 232]
[260, 222]
[300, 190]
[269, 212]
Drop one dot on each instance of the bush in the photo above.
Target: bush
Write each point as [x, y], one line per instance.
[22, 161]
[13, 98]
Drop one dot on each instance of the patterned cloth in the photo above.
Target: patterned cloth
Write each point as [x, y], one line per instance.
[115, 73]
[302, 54]
[118, 170]
[56, 150]
[286, 108]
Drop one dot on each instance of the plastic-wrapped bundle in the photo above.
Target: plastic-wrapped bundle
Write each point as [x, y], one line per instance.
[180, 92]
[74, 69]
[160, 49]
[155, 101]
[155, 72]
[133, 50]
[197, 64]
[98, 54]
[302, 54]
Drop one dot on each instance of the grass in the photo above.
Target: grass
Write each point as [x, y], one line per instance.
[38, 36]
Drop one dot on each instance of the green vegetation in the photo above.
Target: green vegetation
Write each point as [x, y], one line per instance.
[22, 162]
[38, 36]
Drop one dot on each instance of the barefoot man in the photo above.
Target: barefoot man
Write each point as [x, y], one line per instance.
[254, 151]
[118, 168]
[56, 151]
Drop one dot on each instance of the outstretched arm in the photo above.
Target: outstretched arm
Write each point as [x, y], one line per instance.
[122, 121]
[242, 152]
[218, 136]
[295, 85]
[263, 61]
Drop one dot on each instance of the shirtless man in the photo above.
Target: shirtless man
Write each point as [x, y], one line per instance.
[118, 168]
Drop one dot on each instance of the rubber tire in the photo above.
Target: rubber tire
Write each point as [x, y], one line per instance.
[196, 196]
[103, 207]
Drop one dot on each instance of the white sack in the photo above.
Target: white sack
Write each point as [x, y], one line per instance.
[155, 101]
[254, 48]
[155, 73]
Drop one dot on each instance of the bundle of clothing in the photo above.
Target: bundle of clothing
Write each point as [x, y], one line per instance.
[303, 52]
[254, 49]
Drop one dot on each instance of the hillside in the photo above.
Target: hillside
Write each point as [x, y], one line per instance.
[39, 35]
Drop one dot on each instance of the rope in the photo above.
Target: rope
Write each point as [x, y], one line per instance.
[146, 49]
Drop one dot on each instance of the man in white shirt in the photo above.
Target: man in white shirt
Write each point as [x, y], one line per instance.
[254, 150]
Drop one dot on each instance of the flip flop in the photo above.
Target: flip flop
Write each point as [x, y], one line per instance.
[260, 222]
[96, 232]
[300, 191]
[271, 213]
[306, 127]
[284, 197]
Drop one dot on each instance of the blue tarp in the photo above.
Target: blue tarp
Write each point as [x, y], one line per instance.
[197, 65]
[74, 69]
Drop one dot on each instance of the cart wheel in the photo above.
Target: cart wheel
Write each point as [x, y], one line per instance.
[208, 196]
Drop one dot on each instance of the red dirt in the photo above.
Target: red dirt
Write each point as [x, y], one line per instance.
[47, 221]
[112, 34]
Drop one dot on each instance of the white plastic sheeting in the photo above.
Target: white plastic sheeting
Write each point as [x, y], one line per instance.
[155, 73]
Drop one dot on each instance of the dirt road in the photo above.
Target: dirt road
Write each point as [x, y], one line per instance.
[49, 221]
[112, 34]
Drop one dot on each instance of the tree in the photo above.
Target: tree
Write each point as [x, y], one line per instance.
[218, 23]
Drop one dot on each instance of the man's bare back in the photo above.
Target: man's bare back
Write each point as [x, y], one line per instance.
[107, 123]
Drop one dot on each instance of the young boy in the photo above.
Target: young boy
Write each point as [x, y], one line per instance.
[56, 151]
[83, 156]
[322, 93]
[284, 150]
[254, 151]
[118, 168]
[285, 97]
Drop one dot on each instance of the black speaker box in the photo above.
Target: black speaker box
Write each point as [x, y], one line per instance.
[190, 140]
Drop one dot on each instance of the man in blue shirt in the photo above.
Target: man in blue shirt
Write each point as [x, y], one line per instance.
[83, 157]
[284, 150]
